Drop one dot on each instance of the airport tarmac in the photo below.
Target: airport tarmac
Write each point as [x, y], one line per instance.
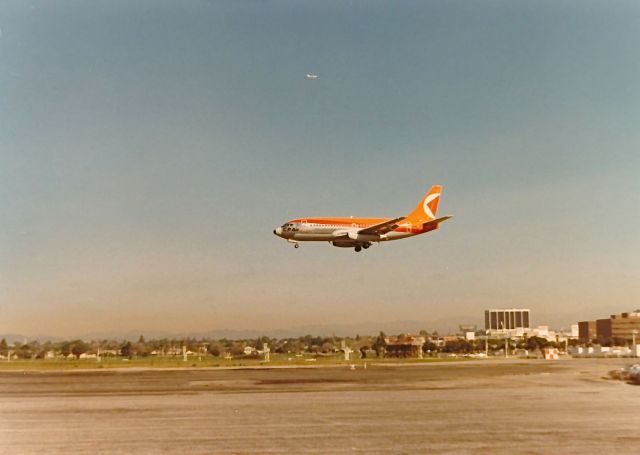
[497, 407]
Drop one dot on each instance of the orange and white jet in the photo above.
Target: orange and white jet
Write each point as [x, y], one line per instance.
[359, 233]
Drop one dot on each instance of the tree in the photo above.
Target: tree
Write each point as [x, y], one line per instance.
[327, 346]
[140, 348]
[4, 347]
[260, 341]
[539, 343]
[429, 346]
[191, 344]
[65, 348]
[237, 349]
[459, 346]
[126, 349]
[215, 348]
[379, 344]
[79, 347]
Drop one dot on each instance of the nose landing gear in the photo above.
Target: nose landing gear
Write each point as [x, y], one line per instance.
[296, 245]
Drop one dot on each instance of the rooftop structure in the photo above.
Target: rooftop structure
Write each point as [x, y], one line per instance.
[404, 345]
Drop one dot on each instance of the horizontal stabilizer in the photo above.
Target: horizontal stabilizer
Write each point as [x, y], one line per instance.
[434, 223]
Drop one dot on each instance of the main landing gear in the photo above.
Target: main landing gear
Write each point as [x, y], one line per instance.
[359, 248]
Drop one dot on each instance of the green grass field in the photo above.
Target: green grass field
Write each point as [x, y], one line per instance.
[203, 362]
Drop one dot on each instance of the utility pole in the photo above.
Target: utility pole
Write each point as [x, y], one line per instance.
[506, 347]
[486, 343]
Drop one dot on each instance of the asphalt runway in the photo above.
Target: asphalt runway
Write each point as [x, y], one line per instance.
[497, 407]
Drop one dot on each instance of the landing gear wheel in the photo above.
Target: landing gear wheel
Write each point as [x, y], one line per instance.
[358, 248]
[366, 245]
[296, 245]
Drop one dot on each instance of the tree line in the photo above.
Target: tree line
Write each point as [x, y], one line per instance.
[367, 346]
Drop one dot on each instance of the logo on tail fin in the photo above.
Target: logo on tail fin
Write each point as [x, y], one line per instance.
[427, 202]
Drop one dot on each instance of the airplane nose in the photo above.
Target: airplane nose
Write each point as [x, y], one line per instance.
[277, 231]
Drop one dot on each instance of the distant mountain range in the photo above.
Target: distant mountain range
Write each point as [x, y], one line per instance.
[443, 325]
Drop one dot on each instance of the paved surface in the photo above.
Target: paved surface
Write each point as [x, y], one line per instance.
[524, 407]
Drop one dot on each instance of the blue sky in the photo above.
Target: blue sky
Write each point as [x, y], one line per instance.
[148, 149]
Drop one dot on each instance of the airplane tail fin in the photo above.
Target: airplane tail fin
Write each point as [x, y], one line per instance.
[427, 208]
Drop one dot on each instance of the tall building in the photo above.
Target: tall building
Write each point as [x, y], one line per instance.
[503, 320]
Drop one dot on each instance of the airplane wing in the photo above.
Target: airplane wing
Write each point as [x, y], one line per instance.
[382, 228]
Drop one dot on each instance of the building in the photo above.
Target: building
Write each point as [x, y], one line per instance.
[587, 330]
[620, 326]
[625, 325]
[506, 321]
[404, 346]
[574, 331]
[603, 328]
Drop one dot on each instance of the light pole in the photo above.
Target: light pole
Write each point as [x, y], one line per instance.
[506, 341]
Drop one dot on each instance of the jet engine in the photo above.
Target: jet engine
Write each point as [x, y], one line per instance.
[344, 244]
[363, 238]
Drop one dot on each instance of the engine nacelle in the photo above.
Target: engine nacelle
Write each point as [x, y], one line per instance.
[344, 244]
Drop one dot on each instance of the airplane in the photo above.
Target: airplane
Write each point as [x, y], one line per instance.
[312, 76]
[359, 233]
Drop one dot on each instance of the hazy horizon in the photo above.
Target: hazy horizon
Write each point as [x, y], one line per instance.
[149, 148]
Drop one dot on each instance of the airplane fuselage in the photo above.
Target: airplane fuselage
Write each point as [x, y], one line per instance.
[360, 233]
[342, 231]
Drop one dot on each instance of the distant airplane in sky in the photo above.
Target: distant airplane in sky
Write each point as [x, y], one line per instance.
[358, 233]
[312, 76]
